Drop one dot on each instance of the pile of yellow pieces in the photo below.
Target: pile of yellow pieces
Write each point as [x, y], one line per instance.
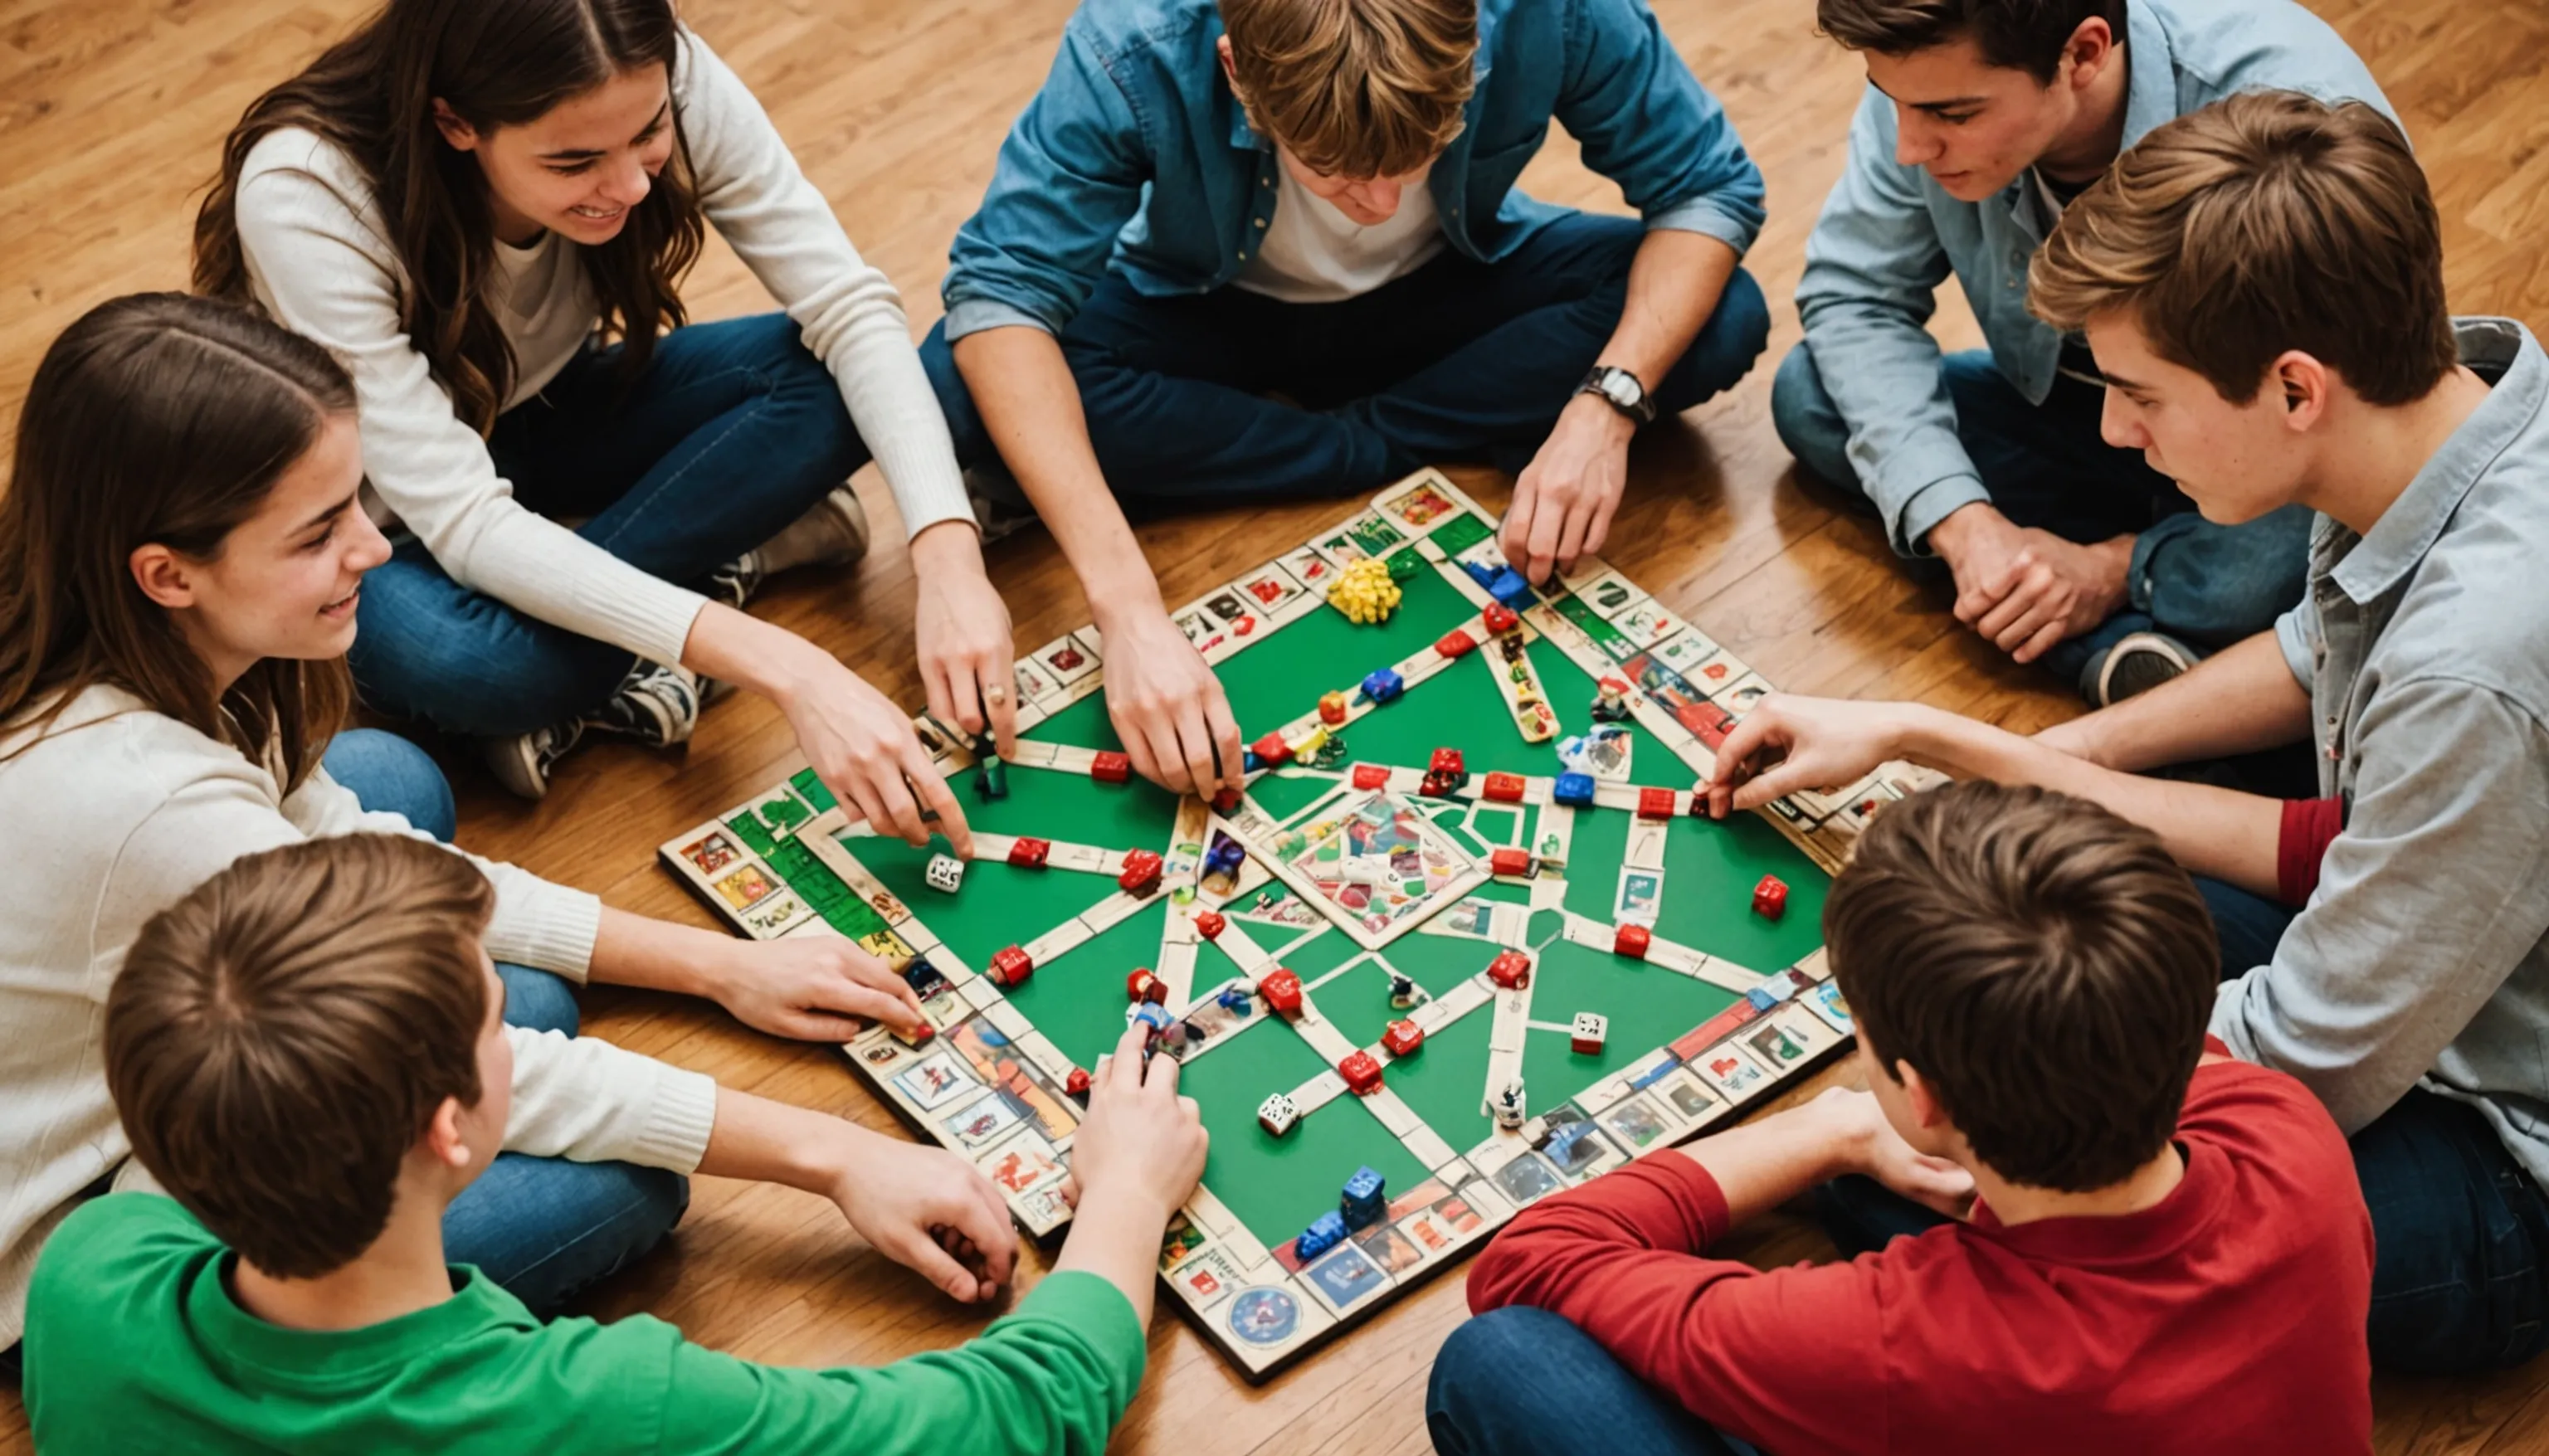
[1364, 591]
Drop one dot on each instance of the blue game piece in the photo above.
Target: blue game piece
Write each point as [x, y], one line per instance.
[1249, 763]
[1382, 685]
[1574, 790]
[1235, 1000]
[1319, 1237]
[925, 980]
[1153, 1014]
[1361, 1204]
[1509, 588]
[1225, 855]
[1481, 573]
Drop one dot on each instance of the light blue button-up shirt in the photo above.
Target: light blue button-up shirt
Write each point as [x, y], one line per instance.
[1889, 236]
[1136, 156]
[2422, 958]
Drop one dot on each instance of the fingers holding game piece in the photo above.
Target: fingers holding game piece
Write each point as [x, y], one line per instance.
[938, 806]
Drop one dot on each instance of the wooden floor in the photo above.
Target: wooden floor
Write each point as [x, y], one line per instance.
[109, 116]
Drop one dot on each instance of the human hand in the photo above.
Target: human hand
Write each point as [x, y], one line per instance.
[865, 751]
[1787, 743]
[927, 1210]
[1168, 707]
[961, 628]
[1564, 499]
[1865, 1142]
[811, 987]
[1142, 1145]
[2049, 591]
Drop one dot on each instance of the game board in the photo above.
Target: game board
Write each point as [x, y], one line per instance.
[1630, 908]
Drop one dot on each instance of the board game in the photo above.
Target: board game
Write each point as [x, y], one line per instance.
[1471, 979]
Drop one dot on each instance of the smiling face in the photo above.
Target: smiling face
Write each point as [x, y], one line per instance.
[2236, 461]
[1973, 126]
[579, 167]
[286, 581]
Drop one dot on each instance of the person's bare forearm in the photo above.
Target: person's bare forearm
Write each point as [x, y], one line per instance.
[1674, 284]
[757, 655]
[635, 950]
[2239, 700]
[1030, 404]
[1116, 1237]
[765, 1142]
[2227, 835]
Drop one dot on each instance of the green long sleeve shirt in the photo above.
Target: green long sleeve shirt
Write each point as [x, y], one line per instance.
[134, 1345]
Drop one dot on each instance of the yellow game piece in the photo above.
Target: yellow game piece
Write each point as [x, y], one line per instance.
[1364, 591]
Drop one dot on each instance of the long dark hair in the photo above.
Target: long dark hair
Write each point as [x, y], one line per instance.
[494, 63]
[158, 418]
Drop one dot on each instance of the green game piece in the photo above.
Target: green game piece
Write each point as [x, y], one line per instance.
[1459, 533]
[1406, 566]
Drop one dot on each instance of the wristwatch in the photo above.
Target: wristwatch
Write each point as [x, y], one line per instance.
[1620, 390]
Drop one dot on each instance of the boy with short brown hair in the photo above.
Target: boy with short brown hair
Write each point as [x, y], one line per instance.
[2163, 1252]
[308, 1053]
[2262, 284]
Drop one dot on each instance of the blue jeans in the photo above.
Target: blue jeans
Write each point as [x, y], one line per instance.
[1524, 1382]
[541, 1228]
[734, 431]
[2460, 1275]
[1458, 361]
[2046, 466]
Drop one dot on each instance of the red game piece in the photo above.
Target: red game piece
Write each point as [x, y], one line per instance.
[1110, 766]
[1225, 801]
[1770, 897]
[1029, 853]
[1632, 941]
[1655, 804]
[1137, 981]
[1504, 788]
[1141, 871]
[1011, 966]
[1455, 642]
[1448, 761]
[1370, 776]
[1403, 1037]
[1510, 969]
[1156, 992]
[1331, 708]
[1271, 750]
[1282, 990]
[1208, 924]
[1511, 861]
[1500, 617]
[1362, 1072]
[1077, 1085]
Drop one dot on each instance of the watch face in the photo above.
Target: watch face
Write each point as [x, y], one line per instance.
[1619, 389]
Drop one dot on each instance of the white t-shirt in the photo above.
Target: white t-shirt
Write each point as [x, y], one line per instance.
[1314, 254]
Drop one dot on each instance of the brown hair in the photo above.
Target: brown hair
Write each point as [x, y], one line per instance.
[158, 418]
[1355, 88]
[2012, 35]
[2266, 221]
[496, 63]
[2045, 965]
[279, 1039]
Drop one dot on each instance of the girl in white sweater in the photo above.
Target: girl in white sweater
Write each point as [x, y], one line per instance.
[484, 208]
[182, 556]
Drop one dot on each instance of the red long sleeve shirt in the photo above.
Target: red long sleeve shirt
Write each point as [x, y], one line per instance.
[2228, 1319]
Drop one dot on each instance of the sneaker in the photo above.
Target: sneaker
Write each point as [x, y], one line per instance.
[995, 511]
[833, 533]
[656, 705]
[522, 762]
[2137, 664]
[737, 582]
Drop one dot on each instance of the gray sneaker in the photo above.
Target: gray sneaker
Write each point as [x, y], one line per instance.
[2137, 664]
[996, 511]
[656, 705]
[522, 762]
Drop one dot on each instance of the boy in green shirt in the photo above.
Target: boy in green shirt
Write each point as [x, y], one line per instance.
[309, 1055]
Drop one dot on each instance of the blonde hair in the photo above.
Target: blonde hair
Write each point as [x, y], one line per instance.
[2266, 221]
[1355, 88]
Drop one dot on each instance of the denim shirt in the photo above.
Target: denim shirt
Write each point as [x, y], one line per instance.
[2420, 959]
[1889, 236]
[1136, 156]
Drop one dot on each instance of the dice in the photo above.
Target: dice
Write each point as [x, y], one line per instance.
[1770, 897]
[1110, 766]
[1277, 1114]
[1587, 1034]
[1655, 804]
[1402, 1037]
[1011, 966]
[1282, 989]
[946, 873]
[1370, 776]
[1029, 853]
[1141, 871]
[1632, 941]
[1360, 1201]
[1362, 1072]
[1504, 788]
[1574, 790]
[1510, 971]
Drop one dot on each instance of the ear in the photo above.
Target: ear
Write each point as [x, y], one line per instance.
[2090, 50]
[1919, 1097]
[2307, 386]
[161, 575]
[459, 133]
[443, 1140]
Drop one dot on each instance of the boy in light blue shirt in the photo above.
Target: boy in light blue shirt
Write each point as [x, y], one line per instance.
[1982, 120]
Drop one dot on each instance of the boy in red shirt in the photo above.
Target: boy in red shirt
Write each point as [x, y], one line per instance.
[2159, 1249]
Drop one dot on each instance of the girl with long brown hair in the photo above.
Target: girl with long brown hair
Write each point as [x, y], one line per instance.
[484, 208]
[183, 556]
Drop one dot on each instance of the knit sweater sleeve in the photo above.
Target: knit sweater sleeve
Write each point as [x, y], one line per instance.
[851, 318]
[320, 263]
